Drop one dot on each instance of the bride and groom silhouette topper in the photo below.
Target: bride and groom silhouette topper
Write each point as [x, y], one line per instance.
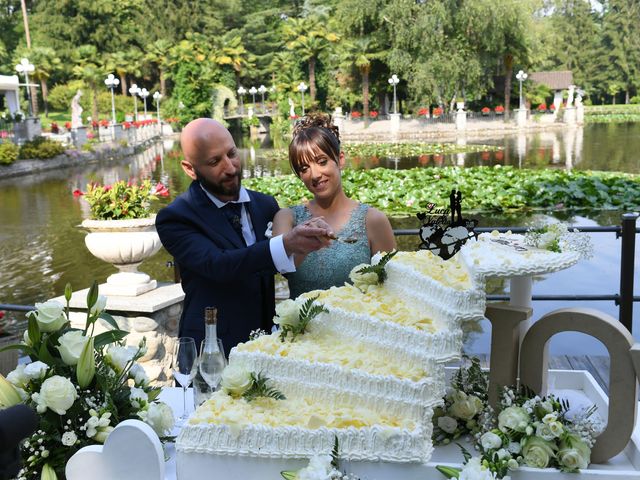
[443, 238]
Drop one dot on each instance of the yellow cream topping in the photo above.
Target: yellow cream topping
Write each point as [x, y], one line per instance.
[451, 273]
[318, 345]
[299, 412]
[378, 303]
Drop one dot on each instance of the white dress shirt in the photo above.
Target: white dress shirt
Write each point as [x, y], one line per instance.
[283, 262]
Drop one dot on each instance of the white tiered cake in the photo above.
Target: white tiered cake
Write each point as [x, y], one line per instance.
[368, 371]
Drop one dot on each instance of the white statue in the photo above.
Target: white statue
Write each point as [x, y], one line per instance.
[579, 98]
[76, 110]
[570, 98]
[292, 110]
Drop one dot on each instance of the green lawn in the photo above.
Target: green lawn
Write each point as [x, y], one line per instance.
[58, 117]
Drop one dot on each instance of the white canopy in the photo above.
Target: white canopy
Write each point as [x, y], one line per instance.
[9, 87]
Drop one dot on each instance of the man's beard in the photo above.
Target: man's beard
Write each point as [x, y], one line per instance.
[219, 189]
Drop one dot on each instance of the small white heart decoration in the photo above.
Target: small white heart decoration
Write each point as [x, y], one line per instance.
[132, 451]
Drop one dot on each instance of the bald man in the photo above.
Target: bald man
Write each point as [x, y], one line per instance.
[216, 234]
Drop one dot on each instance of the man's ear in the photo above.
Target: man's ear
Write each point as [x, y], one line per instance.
[188, 169]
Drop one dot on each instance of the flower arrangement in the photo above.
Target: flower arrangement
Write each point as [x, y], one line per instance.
[126, 125]
[552, 107]
[499, 109]
[437, 111]
[356, 114]
[373, 114]
[54, 128]
[463, 409]
[556, 237]
[104, 123]
[542, 107]
[122, 200]
[485, 110]
[423, 111]
[238, 382]
[67, 125]
[80, 384]
[539, 432]
[293, 316]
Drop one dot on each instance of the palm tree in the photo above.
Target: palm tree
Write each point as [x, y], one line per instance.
[89, 69]
[361, 52]
[158, 55]
[233, 53]
[119, 63]
[309, 37]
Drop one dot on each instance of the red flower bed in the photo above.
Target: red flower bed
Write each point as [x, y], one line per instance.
[499, 109]
[423, 111]
[542, 107]
[373, 114]
[437, 111]
[104, 123]
[54, 127]
[67, 125]
[485, 110]
[356, 115]
[552, 107]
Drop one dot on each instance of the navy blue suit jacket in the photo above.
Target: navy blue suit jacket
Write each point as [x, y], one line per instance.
[217, 269]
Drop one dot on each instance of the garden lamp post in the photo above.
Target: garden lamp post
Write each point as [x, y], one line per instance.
[262, 89]
[144, 93]
[253, 92]
[241, 92]
[521, 76]
[394, 80]
[112, 82]
[302, 88]
[157, 96]
[26, 67]
[134, 90]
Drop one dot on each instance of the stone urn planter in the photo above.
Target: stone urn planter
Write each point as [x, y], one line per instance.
[9, 358]
[125, 244]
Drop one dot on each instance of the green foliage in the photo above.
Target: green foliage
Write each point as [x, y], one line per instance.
[120, 201]
[259, 388]
[248, 122]
[485, 189]
[378, 268]
[308, 311]
[9, 152]
[42, 148]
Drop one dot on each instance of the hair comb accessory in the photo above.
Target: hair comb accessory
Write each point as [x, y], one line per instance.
[316, 120]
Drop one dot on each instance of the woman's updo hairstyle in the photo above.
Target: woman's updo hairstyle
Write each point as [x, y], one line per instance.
[310, 134]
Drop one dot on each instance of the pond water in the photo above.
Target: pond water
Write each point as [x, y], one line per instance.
[42, 248]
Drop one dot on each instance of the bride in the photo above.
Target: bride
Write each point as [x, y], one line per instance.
[360, 230]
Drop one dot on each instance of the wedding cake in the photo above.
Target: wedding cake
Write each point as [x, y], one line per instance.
[367, 370]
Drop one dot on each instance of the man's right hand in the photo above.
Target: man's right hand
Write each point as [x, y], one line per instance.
[308, 237]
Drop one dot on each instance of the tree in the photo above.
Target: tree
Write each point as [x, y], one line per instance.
[233, 53]
[89, 69]
[309, 37]
[361, 52]
[158, 55]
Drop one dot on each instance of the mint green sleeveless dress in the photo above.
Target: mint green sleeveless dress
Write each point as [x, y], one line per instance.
[331, 266]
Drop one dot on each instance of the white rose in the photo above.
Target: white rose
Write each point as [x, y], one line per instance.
[574, 454]
[287, 313]
[158, 416]
[490, 441]
[447, 424]
[235, 380]
[71, 345]
[139, 375]
[56, 393]
[466, 409]
[69, 439]
[319, 468]
[556, 428]
[549, 418]
[514, 418]
[138, 397]
[363, 281]
[99, 306]
[514, 448]
[36, 370]
[50, 316]
[543, 431]
[537, 453]
[118, 357]
[18, 377]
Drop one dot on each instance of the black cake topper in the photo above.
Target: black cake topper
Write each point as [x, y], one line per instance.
[443, 237]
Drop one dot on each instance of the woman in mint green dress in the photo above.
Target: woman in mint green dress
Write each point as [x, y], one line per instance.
[361, 231]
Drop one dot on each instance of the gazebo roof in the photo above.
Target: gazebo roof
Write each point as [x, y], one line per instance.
[559, 80]
[9, 82]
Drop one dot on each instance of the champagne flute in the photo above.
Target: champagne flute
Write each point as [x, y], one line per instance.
[184, 368]
[212, 362]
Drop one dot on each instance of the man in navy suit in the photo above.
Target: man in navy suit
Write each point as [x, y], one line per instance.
[216, 234]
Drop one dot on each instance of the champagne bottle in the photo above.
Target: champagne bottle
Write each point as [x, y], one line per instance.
[211, 360]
